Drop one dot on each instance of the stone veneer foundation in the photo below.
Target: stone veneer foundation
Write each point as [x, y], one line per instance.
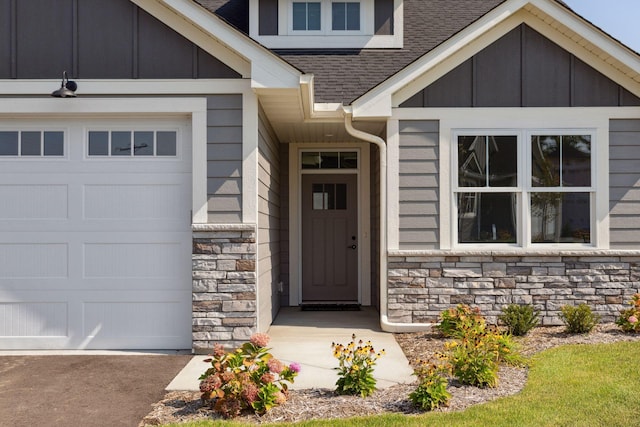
[224, 285]
[421, 286]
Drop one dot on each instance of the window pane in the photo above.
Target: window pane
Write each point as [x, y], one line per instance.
[576, 161]
[54, 143]
[30, 143]
[329, 160]
[487, 161]
[353, 16]
[299, 16]
[98, 143]
[341, 196]
[143, 143]
[487, 218]
[314, 16]
[545, 161]
[338, 16]
[560, 218]
[349, 160]
[311, 160]
[318, 197]
[120, 143]
[503, 161]
[166, 144]
[8, 143]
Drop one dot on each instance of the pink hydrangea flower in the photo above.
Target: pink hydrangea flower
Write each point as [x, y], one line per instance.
[267, 378]
[275, 365]
[633, 319]
[259, 340]
[295, 367]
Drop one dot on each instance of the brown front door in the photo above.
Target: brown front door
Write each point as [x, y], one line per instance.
[329, 238]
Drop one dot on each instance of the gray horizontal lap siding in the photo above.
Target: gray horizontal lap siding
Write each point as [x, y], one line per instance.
[419, 193]
[224, 158]
[624, 183]
[96, 39]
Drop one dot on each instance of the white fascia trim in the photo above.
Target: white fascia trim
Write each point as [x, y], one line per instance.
[266, 69]
[377, 102]
[587, 31]
[112, 87]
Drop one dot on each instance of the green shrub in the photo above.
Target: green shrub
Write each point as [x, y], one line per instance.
[629, 319]
[578, 319]
[519, 319]
[455, 322]
[431, 392]
[356, 364]
[474, 360]
[247, 378]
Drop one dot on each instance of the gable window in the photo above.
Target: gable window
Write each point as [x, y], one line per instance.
[345, 16]
[306, 16]
[523, 188]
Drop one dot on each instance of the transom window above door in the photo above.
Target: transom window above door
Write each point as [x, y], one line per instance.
[126, 143]
[524, 188]
[330, 160]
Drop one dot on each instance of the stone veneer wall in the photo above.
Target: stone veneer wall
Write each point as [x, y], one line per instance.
[420, 287]
[224, 285]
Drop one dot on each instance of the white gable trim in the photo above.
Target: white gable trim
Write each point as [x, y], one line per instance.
[221, 40]
[586, 42]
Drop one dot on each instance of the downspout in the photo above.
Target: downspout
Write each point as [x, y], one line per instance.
[385, 324]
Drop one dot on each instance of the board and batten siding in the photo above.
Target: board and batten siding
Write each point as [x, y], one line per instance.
[268, 223]
[224, 158]
[419, 193]
[523, 69]
[624, 183]
[96, 39]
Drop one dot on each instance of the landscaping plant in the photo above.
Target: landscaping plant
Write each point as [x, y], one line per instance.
[478, 349]
[431, 392]
[519, 319]
[629, 319]
[455, 322]
[246, 378]
[578, 319]
[356, 364]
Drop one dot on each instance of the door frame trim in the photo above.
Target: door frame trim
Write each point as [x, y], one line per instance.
[295, 215]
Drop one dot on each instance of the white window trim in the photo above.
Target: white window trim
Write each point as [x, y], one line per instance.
[522, 189]
[326, 18]
[363, 39]
[508, 118]
[41, 157]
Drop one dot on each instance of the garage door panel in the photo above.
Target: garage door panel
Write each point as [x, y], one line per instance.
[34, 260]
[33, 201]
[122, 260]
[34, 319]
[139, 202]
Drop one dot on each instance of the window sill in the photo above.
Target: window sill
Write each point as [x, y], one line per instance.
[556, 252]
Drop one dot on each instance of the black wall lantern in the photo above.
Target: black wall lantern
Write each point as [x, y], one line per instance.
[67, 88]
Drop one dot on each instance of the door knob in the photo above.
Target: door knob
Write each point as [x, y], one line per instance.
[354, 247]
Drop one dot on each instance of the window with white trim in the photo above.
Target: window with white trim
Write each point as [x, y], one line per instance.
[306, 16]
[524, 188]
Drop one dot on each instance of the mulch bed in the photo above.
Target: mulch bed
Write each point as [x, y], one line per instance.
[310, 404]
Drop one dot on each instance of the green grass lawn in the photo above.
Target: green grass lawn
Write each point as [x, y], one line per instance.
[578, 385]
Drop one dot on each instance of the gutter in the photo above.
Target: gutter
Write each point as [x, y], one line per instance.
[385, 323]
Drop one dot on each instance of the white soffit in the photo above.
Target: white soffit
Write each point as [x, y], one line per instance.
[551, 19]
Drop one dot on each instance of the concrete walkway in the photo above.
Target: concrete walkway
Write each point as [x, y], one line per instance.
[306, 337]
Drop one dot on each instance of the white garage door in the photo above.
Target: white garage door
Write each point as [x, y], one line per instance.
[95, 242]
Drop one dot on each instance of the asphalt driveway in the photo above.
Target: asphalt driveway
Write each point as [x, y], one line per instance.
[83, 390]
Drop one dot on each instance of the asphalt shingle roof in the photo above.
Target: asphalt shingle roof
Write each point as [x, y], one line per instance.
[344, 75]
